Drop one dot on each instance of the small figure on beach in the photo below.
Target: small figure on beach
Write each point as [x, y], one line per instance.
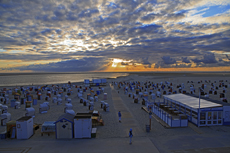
[130, 136]
[119, 115]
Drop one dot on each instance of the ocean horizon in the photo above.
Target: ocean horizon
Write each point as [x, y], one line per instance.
[22, 79]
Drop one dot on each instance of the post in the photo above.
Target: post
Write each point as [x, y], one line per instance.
[150, 124]
[150, 116]
[198, 119]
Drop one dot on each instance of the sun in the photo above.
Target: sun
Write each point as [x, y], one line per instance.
[116, 61]
[121, 62]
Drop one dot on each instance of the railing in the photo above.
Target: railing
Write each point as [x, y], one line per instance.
[172, 121]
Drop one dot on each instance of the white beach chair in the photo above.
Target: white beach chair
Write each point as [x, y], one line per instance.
[30, 112]
[6, 117]
[59, 101]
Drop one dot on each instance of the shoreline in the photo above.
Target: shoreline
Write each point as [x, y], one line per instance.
[57, 83]
[153, 74]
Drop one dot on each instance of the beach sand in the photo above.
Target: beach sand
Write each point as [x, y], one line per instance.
[113, 136]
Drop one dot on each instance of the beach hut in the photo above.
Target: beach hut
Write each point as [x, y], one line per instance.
[86, 82]
[30, 112]
[82, 125]
[24, 127]
[6, 117]
[64, 126]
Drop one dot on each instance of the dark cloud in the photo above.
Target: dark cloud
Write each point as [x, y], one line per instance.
[168, 60]
[185, 60]
[207, 59]
[123, 63]
[149, 17]
[85, 64]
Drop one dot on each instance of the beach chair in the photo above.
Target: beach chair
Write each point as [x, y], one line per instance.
[95, 98]
[6, 117]
[85, 102]
[70, 111]
[102, 104]
[47, 98]
[4, 109]
[136, 100]
[91, 106]
[17, 105]
[79, 95]
[66, 97]
[68, 107]
[43, 108]
[69, 100]
[54, 99]
[106, 107]
[30, 112]
[81, 100]
[158, 94]
[59, 101]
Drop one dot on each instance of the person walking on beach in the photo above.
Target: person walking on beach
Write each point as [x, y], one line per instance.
[130, 136]
[119, 115]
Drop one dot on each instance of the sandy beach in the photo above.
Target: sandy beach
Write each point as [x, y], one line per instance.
[113, 136]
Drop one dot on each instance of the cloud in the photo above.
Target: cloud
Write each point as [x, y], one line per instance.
[160, 33]
[207, 59]
[185, 60]
[85, 64]
[168, 60]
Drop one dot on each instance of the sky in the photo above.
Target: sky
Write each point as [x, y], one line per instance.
[114, 35]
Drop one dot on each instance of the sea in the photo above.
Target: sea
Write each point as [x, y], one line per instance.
[22, 79]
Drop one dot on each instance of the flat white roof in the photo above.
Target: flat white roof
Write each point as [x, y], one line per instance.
[192, 102]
